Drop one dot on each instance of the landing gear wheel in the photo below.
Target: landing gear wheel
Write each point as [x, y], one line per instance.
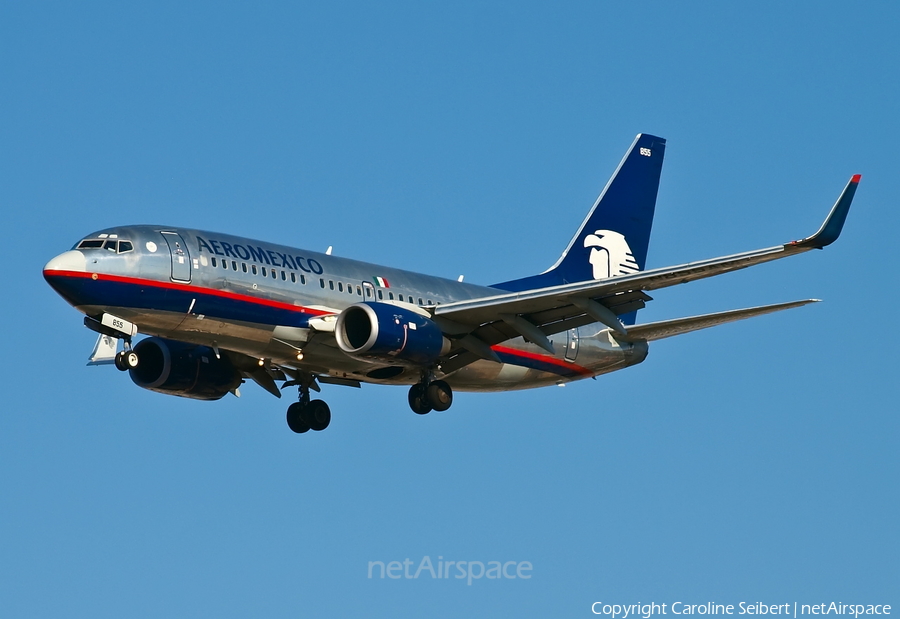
[296, 419]
[439, 395]
[318, 414]
[418, 402]
[126, 360]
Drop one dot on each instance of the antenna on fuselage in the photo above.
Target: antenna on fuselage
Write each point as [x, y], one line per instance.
[328, 251]
[460, 278]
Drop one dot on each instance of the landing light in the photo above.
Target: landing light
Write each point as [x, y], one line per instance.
[300, 355]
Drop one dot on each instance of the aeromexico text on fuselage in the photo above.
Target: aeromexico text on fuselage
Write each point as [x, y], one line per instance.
[254, 253]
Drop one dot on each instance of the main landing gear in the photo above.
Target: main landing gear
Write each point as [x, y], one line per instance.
[307, 414]
[425, 397]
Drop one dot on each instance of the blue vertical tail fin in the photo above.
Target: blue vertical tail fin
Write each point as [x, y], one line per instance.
[615, 235]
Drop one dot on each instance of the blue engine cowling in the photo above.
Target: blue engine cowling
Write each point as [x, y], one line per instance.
[182, 369]
[386, 332]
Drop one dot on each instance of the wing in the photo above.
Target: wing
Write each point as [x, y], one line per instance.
[477, 324]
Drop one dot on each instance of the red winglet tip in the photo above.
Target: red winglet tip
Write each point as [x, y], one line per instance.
[856, 178]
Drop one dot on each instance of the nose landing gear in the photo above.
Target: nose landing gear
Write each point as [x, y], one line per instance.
[126, 359]
[114, 329]
[425, 397]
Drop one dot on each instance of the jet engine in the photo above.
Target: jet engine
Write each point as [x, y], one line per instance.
[182, 369]
[390, 333]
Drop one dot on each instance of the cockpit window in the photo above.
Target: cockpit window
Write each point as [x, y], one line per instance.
[108, 244]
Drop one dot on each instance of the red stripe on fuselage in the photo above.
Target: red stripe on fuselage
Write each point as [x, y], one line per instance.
[566, 365]
[189, 288]
[545, 359]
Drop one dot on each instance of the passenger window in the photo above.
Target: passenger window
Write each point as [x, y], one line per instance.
[380, 295]
[349, 289]
[213, 261]
[321, 282]
[391, 296]
[125, 246]
[233, 265]
[283, 276]
[293, 278]
[224, 264]
[368, 292]
[420, 301]
[430, 302]
[340, 287]
[358, 291]
[264, 272]
[331, 284]
[303, 279]
[244, 267]
[399, 297]
[274, 274]
[92, 244]
[111, 245]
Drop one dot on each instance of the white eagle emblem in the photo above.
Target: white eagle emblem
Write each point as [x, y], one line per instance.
[610, 254]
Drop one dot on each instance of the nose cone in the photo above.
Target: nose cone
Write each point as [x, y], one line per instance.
[65, 274]
[68, 261]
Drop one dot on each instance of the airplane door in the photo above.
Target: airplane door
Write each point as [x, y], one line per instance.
[571, 344]
[368, 291]
[181, 259]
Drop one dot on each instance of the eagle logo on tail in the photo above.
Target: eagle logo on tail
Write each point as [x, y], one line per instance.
[610, 254]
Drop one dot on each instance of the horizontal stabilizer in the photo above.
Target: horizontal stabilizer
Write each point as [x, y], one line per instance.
[667, 328]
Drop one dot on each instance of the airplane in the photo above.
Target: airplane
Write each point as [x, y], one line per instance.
[221, 309]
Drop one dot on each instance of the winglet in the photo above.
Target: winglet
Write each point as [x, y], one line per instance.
[834, 223]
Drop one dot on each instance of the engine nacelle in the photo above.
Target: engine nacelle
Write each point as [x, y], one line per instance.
[386, 332]
[182, 369]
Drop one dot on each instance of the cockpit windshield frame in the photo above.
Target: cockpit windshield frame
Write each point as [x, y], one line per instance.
[119, 246]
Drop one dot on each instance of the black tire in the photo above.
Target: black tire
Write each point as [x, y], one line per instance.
[417, 400]
[439, 395]
[120, 362]
[318, 414]
[296, 419]
[131, 359]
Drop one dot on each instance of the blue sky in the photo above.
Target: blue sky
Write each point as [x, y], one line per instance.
[756, 462]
